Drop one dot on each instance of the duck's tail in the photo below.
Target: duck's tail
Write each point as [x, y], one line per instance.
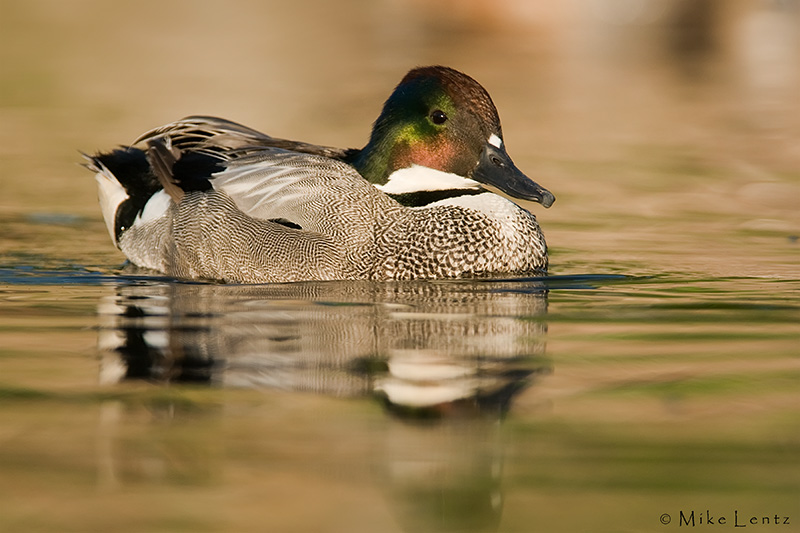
[136, 185]
[127, 188]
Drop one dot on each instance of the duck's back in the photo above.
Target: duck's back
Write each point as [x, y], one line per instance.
[270, 216]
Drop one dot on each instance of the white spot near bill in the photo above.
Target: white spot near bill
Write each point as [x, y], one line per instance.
[495, 141]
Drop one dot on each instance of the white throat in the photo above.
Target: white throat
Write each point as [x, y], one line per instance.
[418, 178]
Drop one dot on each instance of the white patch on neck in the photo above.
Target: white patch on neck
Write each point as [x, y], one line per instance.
[495, 141]
[418, 178]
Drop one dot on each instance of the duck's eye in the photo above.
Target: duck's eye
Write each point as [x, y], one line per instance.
[438, 117]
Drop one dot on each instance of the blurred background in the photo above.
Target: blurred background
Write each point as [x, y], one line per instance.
[677, 120]
[669, 132]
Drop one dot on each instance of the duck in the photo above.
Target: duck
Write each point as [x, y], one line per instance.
[432, 195]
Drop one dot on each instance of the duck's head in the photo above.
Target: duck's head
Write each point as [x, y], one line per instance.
[440, 131]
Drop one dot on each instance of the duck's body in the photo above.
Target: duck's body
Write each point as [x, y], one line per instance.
[211, 199]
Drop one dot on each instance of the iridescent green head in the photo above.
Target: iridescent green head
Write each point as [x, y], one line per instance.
[441, 119]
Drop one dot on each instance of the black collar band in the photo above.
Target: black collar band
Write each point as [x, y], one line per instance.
[423, 198]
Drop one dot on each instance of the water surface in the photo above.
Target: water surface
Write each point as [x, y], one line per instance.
[434, 406]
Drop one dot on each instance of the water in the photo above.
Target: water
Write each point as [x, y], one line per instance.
[650, 383]
[444, 406]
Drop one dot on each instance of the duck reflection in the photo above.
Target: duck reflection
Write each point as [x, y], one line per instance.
[446, 359]
[418, 346]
